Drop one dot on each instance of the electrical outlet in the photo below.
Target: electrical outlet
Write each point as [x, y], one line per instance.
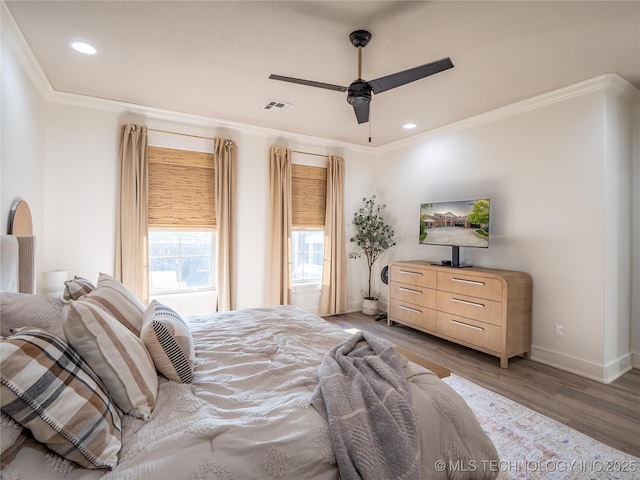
[558, 330]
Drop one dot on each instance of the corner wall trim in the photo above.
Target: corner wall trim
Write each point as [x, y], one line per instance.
[595, 371]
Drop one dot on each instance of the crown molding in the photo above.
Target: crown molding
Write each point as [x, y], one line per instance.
[608, 82]
[621, 87]
[12, 34]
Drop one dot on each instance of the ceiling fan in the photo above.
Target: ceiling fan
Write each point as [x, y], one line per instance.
[359, 92]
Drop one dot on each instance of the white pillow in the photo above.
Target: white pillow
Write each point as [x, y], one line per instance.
[168, 340]
[19, 310]
[118, 357]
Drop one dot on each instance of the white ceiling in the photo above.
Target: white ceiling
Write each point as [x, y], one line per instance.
[213, 58]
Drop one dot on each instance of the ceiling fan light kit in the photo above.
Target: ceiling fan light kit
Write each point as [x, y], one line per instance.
[359, 91]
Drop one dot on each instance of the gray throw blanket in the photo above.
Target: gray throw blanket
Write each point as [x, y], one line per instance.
[364, 396]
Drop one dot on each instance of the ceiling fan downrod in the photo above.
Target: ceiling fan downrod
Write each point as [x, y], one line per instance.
[360, 39]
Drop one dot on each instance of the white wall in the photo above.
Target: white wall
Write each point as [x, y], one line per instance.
[558, 175]
[22, 125]
[80, 190]
[618, 181]
[635, 246]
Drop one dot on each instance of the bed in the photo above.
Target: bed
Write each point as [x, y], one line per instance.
[245, 407]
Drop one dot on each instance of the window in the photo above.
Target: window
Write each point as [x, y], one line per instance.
[181, 220]
[180, 260]
[308, 199]
[307, 253]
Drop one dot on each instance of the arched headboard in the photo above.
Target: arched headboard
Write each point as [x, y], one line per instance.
[17, 251]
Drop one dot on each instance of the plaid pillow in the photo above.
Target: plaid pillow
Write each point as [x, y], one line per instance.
[168, 340]
[111, 295]
[49, 389]
[76, 288]
[119, 356]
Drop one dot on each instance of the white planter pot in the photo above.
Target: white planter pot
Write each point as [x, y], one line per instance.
[370, 307]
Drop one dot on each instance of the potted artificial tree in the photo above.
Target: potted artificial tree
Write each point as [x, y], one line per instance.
[373, 236]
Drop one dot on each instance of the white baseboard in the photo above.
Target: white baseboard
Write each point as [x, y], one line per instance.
[604, 373]
[635, 359]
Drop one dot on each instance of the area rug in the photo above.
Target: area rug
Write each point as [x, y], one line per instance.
[532, 446]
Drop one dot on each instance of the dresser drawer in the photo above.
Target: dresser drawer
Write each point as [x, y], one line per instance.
[479, 334]
[471, 307]
[413, 276]
[415, 294]
[411, 314]
[472, 285]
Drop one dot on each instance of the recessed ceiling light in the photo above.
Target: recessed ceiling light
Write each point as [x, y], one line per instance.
[83, 47]
[409, 126]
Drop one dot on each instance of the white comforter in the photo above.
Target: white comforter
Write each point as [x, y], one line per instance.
[247, 414]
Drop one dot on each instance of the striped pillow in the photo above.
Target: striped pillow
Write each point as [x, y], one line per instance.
[168, 339]
[49, 389]
[76, 288]
[111, 295]
[114, 353]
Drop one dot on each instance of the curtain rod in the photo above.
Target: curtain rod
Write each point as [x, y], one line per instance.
[210, 138]
[182, 134]
[309, 153]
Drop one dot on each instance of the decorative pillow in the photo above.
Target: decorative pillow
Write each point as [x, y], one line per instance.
[115, 354]
[111, 295]
[168, 340]
[19, 310]
[49, 389]
[76, 288]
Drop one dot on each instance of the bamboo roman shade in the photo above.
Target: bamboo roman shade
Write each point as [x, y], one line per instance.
[181, 188]
[308, 196]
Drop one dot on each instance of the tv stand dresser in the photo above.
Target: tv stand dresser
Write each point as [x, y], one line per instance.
[484, 309]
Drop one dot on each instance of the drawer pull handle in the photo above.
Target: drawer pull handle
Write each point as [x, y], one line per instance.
[463, 280]
[473, 304]
[462, 324]
[409, 272]
[409, 290]
[414, 310]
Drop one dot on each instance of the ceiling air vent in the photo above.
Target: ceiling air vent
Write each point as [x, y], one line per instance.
[276, 106]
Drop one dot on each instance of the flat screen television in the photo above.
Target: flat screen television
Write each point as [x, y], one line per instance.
[463, 223]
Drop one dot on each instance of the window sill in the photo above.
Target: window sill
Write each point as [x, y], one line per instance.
[188, 303]
[306, 287]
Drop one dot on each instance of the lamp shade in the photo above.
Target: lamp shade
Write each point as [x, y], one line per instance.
[53, 282]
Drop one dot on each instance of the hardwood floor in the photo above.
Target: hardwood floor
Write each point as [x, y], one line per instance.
[609, 413]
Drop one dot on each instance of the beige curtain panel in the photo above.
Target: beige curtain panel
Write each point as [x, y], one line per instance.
[226, 153]
[132, 266]
[279, 290]
[333, 298]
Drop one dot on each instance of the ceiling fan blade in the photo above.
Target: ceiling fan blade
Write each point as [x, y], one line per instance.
[394, 80]
[309, 83]
[362, 112]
